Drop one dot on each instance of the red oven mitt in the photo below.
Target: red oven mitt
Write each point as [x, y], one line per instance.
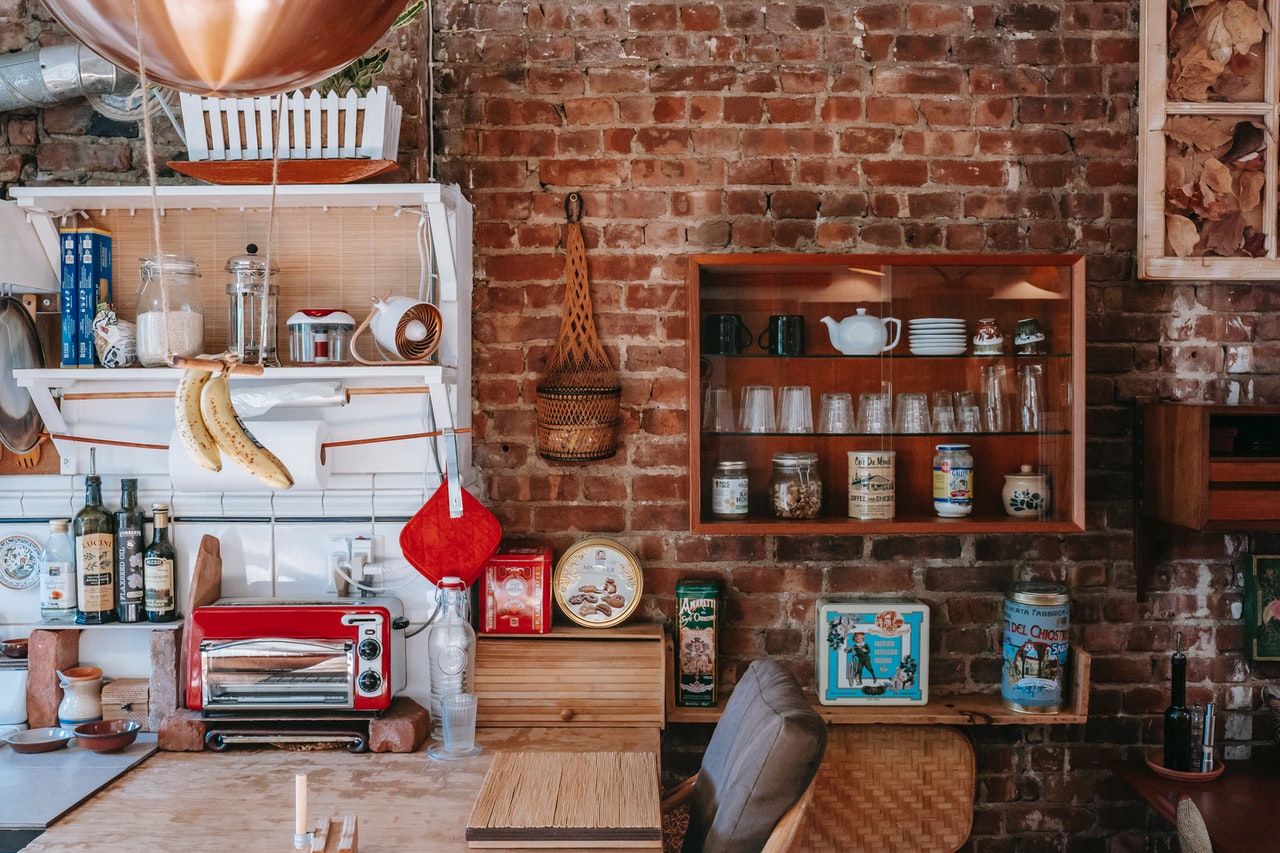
[439, 546]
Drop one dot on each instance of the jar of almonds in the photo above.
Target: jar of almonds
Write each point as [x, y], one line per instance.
[796, 486]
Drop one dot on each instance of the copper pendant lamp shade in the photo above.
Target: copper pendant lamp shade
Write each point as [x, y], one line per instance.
[230, 47]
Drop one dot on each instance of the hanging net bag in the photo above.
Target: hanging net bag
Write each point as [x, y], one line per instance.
[577, 403]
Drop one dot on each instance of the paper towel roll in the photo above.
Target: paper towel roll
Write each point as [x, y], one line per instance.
[296, 443]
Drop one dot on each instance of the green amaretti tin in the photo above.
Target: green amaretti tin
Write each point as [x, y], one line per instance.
[698, 605]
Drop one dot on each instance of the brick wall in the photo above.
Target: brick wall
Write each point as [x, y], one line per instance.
[825, 127]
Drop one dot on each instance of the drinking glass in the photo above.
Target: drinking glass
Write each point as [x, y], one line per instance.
[458, 720]
[912, 414]
[756, 412]
[835, 413]
[995, 408]
[943, 412]
[969, 419]
[873, 413]
[795, 409]
[717, 410]
[1030, 397]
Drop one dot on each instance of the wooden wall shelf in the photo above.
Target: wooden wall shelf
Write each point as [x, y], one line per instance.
[1008, 288]
[970, 709]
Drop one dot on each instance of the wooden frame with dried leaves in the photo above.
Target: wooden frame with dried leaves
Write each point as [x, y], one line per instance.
[1208, 107]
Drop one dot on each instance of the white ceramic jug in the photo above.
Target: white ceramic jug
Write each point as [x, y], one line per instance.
[862, 334]
[81, 695]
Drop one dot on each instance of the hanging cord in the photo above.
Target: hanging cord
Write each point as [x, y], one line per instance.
[149, 144]
[431, 92]
[263, 329]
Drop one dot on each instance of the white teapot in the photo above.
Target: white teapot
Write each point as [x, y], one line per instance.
[863, 335]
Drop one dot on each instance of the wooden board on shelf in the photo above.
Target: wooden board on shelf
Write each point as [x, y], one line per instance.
[324, 171]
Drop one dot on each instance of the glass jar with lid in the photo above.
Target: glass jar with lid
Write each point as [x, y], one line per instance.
[952, 480]
[170, 310]
[795, 489]
[251, 307]
[729, 490]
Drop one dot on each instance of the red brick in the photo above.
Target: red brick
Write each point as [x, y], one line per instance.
[900, 173]
[935, 81]
[64, 157]
[700, 17]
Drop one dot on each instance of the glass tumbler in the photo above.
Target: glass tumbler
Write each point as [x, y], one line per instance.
[756, 412]
[795, 409]
[835, 413]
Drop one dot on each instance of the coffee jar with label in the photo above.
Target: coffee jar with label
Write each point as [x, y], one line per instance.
[729, 488]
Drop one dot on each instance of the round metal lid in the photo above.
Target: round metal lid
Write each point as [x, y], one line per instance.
[1038, 592]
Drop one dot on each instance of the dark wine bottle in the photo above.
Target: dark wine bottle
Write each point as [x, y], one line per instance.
[94, 531]
[158, 569]
[1177, 717]
[129, 554]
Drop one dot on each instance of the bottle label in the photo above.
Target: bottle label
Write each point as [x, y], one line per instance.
[129, 550]
[729, 495]
[159, 583]
[952, 489]
[97, 563]
[57, 587]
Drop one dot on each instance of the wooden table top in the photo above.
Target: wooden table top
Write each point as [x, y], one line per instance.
[244, 799]
[1233, 805]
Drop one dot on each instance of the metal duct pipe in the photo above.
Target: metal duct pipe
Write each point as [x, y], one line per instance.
[37, 78]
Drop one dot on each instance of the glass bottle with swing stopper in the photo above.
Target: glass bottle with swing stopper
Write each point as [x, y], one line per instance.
[170, 310]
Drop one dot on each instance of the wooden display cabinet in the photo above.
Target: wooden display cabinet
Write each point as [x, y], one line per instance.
[1008, 288]
[1203, 467]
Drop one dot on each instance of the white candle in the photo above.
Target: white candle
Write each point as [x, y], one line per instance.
[300, 813]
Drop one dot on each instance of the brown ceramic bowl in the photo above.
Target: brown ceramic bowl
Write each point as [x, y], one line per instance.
[107, 735]
[39, 740]
[15, 648]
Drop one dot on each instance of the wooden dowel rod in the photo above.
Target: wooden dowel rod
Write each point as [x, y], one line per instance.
[112, 442]
[379, 439]
[216, 365]
[119, 395]
[396, 390]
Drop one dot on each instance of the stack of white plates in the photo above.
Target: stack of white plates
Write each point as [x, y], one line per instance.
[937, 336]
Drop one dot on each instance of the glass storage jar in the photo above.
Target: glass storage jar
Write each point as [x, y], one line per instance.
[795, 489]
[251, 308]
[952, 480]
[729, 490]
[170, 310]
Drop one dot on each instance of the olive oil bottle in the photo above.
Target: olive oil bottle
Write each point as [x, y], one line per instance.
[94, 532]
[158, 569]
[129, 553]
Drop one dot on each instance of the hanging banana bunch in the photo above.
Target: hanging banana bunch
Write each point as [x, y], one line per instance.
[209, 427]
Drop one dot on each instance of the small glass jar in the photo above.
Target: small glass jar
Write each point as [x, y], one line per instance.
[795, 489]
[170, 310]
[251, 308]
[952, 480]
[729, 489]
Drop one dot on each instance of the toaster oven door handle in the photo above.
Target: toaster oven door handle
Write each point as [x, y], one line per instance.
[282, 643]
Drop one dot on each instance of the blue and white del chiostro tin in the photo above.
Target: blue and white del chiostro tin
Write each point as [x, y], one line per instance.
[1037, 621]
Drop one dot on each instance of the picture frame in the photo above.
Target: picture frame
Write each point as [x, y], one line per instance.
[1261, 613]
[873, 650]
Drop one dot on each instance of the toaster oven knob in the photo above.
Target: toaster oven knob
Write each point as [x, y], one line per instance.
[369, 649]
[370, 681]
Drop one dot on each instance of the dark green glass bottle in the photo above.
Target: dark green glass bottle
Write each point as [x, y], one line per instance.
[129, 552]
[94, 531]
[158, 569]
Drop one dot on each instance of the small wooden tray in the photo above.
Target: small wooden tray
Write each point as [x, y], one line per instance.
[325, 171]
[1183, 775]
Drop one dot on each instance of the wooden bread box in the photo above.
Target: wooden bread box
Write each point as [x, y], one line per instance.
[127, 699]
[572, 676]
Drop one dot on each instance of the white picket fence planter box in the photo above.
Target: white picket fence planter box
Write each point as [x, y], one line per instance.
[310, 127]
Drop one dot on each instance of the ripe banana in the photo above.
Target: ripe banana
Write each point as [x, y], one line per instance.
[192, 432]
[237, 442]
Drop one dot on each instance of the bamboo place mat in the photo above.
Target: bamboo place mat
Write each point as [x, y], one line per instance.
[891, 788]
[568, 799]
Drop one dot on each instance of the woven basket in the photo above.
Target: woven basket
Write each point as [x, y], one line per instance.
[579, 398]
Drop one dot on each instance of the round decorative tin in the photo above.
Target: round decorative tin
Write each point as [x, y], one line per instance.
[19, 562]
[1037, 621]
[598, 583]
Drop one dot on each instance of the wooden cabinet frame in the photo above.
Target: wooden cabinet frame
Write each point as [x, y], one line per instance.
[1006, 287]
[1154, 109]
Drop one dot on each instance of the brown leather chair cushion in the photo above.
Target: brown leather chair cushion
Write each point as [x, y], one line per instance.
[764, 752]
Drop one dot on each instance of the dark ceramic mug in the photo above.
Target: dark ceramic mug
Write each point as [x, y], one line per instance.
[723, 334]
[784, 335]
